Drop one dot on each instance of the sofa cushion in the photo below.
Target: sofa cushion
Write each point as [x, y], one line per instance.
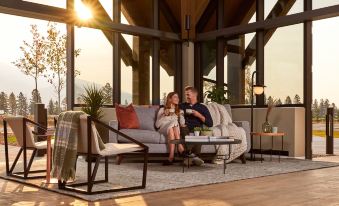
[127, 117]
[146, 116]
[143, 136]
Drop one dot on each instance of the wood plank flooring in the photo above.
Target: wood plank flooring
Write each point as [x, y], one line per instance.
[315, 187]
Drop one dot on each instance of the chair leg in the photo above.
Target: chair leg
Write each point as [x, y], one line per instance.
[119, 159]
[96, 166]
[15, 161]
[243, 158]
[31, 161]
[144, 174]
[106, 169]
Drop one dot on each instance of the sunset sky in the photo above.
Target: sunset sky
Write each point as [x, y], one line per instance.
[283, 54]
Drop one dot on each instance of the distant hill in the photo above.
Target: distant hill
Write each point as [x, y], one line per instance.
[13, 80]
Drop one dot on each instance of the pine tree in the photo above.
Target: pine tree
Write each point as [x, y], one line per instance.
[108, 93]
[279, 102]
[56, 108]
[322, 110]
[4, 102]
[326, 104]
[126, 102]
[296, 99]
[316, 110]
[288, 100]
[270, 100]
[50, 108]
[22, 105]
[164, 97]
[35, 95]
[12, 104]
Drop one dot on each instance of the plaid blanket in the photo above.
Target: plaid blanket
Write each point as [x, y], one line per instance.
[65, 145]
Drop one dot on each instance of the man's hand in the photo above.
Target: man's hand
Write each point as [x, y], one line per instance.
[198, 115]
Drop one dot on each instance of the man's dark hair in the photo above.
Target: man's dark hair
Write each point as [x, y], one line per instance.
[192, 89]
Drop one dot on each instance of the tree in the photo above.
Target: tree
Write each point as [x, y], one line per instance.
[316, 110]
[32, 63]
[22, 105]
[248, 86]
[296, 99]
[288, 100]
[164, 98]
[4, 102]
[56, 59]
[12, 104]
[57, 109]
[35, 95]
[108, 93]
[279, 102]
[270, 100]
[322, 110]
[50, 108]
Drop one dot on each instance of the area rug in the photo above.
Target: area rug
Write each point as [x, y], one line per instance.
[161, 178]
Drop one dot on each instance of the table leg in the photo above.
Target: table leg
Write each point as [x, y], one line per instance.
[260, 150]
[48, 170]
[272, 148]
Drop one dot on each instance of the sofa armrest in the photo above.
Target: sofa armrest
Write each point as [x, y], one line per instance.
[113, 137]
[246, 126]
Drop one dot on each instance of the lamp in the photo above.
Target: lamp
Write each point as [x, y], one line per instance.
[257, 90]
[188, 27]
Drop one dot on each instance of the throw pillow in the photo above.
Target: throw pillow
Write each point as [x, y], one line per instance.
[146, 116]
[127, 117]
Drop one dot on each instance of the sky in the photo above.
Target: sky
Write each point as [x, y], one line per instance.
[283, 54]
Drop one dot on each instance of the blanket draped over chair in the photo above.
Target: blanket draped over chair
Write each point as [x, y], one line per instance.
[65, 146]
[223, 126]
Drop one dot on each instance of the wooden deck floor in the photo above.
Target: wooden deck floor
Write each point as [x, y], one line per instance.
[315, 187]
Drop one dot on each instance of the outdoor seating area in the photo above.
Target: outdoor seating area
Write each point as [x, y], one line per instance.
[168, 102]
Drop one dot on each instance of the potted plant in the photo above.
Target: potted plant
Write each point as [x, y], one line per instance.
[206, 131]
[196, 131]
[94, 99]
[218, 95]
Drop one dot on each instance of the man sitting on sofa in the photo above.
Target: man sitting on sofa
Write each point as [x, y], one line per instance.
[196, 115]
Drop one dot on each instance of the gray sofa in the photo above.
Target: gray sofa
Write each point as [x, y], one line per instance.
[157, 142]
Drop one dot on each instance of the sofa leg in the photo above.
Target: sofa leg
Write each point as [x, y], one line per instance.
[119, 159]
[242, 158]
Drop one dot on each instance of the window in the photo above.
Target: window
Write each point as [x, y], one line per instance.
[276, 8]
[167, 68]
[316, 4]
[208, 64]
[284, 65]
[94, 64]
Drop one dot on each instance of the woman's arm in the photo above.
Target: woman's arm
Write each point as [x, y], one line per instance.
[160, 115]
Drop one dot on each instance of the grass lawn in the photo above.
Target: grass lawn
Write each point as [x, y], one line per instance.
[322, 133]
[11, 140]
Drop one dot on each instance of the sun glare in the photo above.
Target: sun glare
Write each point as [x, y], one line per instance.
[83, 11]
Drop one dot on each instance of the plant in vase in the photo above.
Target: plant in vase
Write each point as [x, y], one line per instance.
[206, 131]
[197, 131]
[267, 126]
[217, 95]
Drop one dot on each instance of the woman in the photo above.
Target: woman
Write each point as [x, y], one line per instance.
[169, 120]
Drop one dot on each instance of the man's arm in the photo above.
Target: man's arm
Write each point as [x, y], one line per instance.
[204, 116]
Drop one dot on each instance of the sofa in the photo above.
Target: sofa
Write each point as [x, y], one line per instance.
[157, 143]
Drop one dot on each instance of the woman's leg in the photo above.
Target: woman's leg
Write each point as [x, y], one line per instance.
[177, 136]
[171, 147]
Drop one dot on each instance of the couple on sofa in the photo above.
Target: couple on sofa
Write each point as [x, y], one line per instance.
[176, 120]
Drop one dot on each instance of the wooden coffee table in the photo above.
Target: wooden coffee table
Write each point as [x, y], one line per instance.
[272, 135]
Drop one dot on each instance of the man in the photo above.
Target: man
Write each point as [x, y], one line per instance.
[196, 115]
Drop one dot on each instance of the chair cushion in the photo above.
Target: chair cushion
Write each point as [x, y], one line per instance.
[127, 117]
[43, 144]
[144, 136]
[146, 117]
[116, 148]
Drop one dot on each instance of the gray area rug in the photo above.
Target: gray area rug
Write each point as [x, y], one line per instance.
[161, 178]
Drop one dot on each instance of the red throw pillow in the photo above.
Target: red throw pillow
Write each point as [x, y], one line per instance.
[127, 117]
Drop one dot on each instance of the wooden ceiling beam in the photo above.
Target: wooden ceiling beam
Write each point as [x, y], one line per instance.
[205, 17]
[169, 16]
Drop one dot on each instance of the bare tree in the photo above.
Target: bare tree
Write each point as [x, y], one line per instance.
[32, 63]
[56, 60]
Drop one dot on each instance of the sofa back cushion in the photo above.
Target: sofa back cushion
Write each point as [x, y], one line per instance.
[127, 117]
[147, 117]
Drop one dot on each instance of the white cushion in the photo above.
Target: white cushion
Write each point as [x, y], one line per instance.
[43, 144]
[116, 148]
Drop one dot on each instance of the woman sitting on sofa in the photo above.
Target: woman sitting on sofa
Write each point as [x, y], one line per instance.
[169, 120]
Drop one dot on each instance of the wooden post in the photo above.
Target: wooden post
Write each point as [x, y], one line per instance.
[40, 116]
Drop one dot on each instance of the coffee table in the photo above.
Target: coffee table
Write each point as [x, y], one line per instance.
[224, 140]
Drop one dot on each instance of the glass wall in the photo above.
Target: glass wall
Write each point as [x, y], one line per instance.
[316, 4]
[276, 8]
[94, 65]
[284, 71]
[167, 68]
[136, 67]
[208, 64]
